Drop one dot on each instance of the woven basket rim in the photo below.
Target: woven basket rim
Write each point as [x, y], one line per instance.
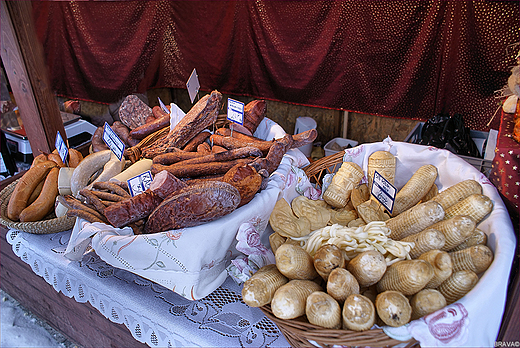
[134, 153]
[299, 333]
[50, 225]
[325, 165]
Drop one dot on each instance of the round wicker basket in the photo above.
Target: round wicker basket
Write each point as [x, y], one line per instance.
[134, 153]
[51, 223]
[299, 332]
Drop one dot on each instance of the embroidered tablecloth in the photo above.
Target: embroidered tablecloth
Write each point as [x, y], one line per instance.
[154, 314]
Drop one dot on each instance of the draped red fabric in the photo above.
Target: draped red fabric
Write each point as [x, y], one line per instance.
[407, 59]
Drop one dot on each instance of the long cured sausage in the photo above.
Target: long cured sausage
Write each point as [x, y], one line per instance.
[235, 143]
[224, 156]
[196, 141]
[174, 157]
[300, 139]
[146, 129]
[196, 170]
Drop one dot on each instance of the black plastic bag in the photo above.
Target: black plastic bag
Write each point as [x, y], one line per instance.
[450, 133]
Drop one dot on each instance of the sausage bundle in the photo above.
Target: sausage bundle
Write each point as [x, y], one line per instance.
[169, 203]
[35, 193]
[198, 176]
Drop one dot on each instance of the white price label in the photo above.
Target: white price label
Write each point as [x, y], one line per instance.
[62, 148]
[193, 85]
[383, 191]
[113, 142]
[140, 183]
[235, 111]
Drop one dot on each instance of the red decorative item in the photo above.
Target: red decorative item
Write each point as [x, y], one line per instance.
[505, 174]
[516, 120]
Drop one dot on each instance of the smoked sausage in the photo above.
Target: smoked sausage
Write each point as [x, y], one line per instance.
[25, 187]
[44, 204]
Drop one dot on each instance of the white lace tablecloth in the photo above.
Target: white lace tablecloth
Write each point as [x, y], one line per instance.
[154, 314]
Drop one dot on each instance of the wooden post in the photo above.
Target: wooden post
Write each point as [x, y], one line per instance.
[22, 55]
[345, 124]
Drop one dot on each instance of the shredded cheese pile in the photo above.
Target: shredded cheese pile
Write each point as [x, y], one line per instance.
[354, 240]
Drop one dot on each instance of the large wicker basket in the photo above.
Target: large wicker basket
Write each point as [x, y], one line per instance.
[299, 332]
[51, 223]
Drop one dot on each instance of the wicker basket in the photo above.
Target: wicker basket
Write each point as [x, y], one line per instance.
[134, 153]
[301, 333]
[222, 121]
[325, 165]
[51, 224]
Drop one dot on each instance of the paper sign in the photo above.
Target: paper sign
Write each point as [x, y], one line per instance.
[176, 115]
[140, 183]
[165, 109]
[113, 142]
[491, 145]
[383, 191]
[62, 148]
[235, 111]
[193, 85]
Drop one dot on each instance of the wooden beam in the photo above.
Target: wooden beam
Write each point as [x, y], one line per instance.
[22, 55]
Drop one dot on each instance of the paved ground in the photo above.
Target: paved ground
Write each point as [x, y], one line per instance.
[21, 329]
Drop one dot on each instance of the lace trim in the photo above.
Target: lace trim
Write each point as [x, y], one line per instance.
[216, 314]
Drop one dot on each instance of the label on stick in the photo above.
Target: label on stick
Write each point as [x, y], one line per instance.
[235, 111]
[193, 85]
[140, 183]
[62, 148]
[113, 142]
[176, 115]
[383, 191]
[163, 107]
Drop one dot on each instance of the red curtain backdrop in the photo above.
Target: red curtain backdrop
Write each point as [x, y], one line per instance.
[405, 59]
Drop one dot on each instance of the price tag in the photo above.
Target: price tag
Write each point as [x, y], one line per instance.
[113, 142]
[176, 115]
[193, 85]
[383, 191]
[235, 111]
[165, 109]
[140, 183]
[62, 148]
